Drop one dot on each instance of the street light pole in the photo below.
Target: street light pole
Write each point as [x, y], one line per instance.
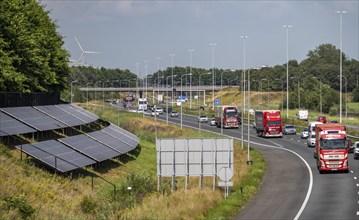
[341, 64]
[213, 75]
[320, 95]
[146, 62]
[190, 78]
[287, 28]
[189, 74]
[346, 96]
[172, 55]
[71, 95]
[282, 91]
[244, 37]
[158, 76]
[88, 93]
[167, 95]
[298, 90]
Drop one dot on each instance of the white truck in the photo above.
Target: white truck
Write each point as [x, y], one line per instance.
[142, 104]
[302, 115]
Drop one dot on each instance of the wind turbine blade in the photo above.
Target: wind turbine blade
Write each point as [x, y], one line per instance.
[79, 44]
[86, 51]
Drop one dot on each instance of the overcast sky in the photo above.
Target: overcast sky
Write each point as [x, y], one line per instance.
[130, 32]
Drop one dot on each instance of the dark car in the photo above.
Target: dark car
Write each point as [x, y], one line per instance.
[322, 119]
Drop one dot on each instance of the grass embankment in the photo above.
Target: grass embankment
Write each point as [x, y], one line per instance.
[30, 191]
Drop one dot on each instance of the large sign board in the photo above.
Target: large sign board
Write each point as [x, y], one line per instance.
[193, 157]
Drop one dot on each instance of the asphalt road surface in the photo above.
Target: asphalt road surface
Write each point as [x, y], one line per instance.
[292, 187]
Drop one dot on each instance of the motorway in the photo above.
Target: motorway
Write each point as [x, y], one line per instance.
[292, 187]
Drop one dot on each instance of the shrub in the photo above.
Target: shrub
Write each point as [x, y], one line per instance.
[20, 203]
[88, 205]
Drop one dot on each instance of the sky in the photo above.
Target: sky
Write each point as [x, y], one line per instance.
[132, 33]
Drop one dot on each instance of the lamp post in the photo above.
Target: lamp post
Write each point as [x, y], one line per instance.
[71, 95]
[158, 75]
[190, 78]
[244, 37]
[287, 28]
[172, 55]
[88, 92]
[320, 94]
[189, 74]
[346, 96]
[146, 62]
[103, 94]
[199, 84]
[213, 75]
[116, 80]
[282, 91]
[249, 161]
[298, 90]
[341, 63]
[167, 95]
[262, 88]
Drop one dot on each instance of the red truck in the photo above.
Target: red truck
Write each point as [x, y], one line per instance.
[331, 150]
[228, 115]
[268, 123]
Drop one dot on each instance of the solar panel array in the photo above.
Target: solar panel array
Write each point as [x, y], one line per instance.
[57, 155]
[21, 120]
[11, 126]
[73, 152]
[34, 118]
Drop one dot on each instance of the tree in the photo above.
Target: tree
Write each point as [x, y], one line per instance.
[31, 55]
[356, 94]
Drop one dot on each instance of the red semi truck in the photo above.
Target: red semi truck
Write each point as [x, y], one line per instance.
[268, 123]
[331, 150]
[228, 115]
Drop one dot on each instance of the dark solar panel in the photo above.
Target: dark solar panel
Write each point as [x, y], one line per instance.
[66, 153]
[89, 114]
[90, 147]
[34, 118]
[79, 113]
[123, 135]
[11, 126]
[60, 115]
[111, 141]
[47, 158]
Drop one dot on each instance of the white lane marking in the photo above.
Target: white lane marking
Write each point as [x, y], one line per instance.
[358, 186]
[357, 212]
[281, 148]
[355, 177]
[351, 171]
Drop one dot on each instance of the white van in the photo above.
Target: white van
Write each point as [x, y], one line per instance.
[302, 115]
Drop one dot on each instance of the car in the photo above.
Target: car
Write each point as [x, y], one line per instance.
[311, 140]
[304, 133]
[212, 122]
[289, 129]
[173, 114]
[322, 119]
[153, 113]
[202, 118]
[159, 109]
[356, 150]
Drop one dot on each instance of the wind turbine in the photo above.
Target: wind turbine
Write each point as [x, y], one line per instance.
[83, 52]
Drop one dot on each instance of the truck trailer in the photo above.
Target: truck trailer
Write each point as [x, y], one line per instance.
[228, 115]
[331, 150]
[268, 123]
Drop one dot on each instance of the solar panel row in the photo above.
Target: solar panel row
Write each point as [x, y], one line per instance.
[82, 150]
[21, 120]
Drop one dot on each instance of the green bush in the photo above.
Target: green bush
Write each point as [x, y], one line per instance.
[19, 203]
[88, 205]
[333, 110]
